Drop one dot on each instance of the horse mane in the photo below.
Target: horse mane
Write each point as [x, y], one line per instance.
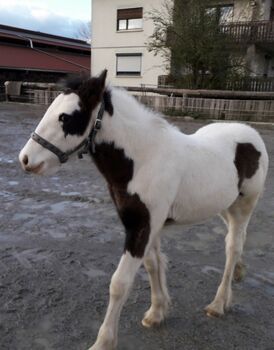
[137, 110]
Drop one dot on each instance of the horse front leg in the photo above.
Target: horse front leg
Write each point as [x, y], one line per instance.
[142, 227]
[120, 285]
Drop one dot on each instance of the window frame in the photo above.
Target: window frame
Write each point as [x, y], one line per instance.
[128, 14]
[218, 11]
[129, 73]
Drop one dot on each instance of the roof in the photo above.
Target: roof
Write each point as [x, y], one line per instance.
[38, 37]
[30, 50]
[13, 57]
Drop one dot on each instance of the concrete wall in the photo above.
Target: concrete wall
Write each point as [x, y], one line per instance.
[107, 42]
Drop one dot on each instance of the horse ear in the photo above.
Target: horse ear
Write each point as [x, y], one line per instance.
[102, 78]
[72, 81]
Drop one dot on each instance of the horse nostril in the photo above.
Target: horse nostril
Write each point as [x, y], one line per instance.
[25, 159]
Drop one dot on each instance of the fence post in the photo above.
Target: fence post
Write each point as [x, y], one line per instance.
[184, 102]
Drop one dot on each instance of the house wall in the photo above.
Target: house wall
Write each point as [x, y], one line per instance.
[107, 42]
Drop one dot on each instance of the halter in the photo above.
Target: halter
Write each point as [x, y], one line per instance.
[82, 148]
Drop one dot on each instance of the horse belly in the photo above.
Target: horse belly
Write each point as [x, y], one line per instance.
[202, 203]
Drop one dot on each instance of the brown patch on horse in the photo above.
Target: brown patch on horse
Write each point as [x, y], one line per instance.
[246, 161]
[118, 171]
[91, 93]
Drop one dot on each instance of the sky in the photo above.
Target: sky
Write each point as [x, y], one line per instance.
[59, 17]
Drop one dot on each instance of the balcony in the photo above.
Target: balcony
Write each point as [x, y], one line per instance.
[253, 32]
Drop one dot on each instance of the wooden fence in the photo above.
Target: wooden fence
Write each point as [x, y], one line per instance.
[214, 104]
[223, 109]
[38, 93]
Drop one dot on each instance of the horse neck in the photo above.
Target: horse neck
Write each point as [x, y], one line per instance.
[132, 126]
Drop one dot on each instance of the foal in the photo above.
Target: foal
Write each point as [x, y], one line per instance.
[154, 172]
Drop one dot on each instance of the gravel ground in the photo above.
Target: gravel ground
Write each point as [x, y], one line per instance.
[60, 241]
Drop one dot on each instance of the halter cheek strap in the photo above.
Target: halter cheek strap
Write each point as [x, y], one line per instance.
[83, 148]
[90, 140]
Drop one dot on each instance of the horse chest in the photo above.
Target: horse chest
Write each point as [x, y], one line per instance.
[114, 165]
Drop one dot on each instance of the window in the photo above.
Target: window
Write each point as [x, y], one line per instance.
[224, 13]
[128, 19]
[128, 63]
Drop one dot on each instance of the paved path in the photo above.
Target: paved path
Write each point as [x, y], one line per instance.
[60, 240]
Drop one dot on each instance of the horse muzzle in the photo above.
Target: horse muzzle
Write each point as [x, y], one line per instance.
[30, 168]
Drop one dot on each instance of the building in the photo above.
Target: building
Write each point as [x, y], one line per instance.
[250, 23]
[120, 44]
[120, 29]
[34, 56]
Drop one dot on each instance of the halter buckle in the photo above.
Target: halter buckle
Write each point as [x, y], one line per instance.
[97, 124]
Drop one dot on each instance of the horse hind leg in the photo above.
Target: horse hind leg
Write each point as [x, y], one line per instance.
[240, 268]
[155, 265]
[237, 217]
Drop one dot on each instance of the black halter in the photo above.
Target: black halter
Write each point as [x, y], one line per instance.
[83, 148]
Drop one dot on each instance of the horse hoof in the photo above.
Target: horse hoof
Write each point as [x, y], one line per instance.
[150, 323]
[212, 312]
[152, 320]
[239, 272]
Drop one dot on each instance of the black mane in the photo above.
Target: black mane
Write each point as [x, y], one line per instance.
[84, 87]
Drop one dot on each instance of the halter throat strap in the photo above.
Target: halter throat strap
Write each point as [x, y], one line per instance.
[83, 148]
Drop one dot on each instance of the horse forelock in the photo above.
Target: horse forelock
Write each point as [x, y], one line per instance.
[90, 93]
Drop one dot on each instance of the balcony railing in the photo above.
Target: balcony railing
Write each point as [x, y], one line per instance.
[254, 84]
[250, 32]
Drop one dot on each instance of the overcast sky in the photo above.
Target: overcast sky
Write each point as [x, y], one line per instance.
[59, 17]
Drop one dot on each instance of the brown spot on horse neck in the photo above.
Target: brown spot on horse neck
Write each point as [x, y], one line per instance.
[118, 171]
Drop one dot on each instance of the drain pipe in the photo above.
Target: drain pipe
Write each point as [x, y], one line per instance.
[24, 37]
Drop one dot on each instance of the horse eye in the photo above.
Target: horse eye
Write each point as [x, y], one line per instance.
[63, 117]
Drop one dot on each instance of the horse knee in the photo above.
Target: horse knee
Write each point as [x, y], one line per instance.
[118, 287]
[235, 248]
[150, 263]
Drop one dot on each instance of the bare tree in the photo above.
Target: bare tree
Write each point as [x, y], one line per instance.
[84, 31]
[187, 34]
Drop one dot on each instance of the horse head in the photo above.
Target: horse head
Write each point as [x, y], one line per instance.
[65, 125]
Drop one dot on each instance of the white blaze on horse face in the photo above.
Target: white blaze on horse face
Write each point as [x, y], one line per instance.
[37, 159]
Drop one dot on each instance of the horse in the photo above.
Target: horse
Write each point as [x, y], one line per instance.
[154, 172]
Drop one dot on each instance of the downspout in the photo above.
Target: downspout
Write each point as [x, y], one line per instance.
[30, 40]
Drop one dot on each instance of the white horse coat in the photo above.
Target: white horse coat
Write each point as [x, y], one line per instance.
[154, 173]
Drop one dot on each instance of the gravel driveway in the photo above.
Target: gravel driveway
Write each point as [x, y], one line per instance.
[60, 241]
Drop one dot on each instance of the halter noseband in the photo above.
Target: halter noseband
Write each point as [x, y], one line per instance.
[83, 147]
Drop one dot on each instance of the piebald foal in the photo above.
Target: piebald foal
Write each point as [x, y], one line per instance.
[154, 172]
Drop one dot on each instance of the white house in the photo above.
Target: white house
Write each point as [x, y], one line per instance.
[120, 30]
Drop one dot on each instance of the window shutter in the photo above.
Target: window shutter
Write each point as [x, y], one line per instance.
[129, 64]
[132, 13]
